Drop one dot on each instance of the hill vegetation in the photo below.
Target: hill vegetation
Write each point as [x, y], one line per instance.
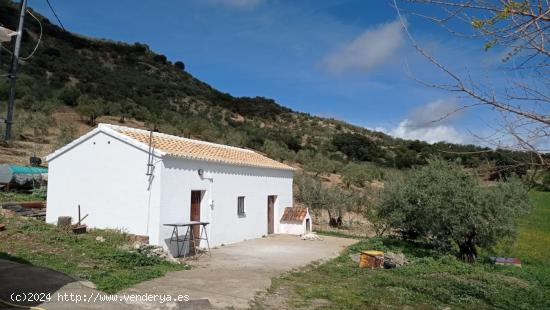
[129, 80]
[131, 83]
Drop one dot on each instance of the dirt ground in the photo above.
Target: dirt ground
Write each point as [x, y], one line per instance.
[354, 224]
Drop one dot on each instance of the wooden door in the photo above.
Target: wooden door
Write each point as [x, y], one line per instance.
[270, 214]
[196, 211]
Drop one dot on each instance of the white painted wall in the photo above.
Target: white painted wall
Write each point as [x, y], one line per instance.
[106, 177]
[294, 228]
[180, 176]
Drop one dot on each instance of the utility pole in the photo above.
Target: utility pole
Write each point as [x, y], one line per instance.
[13, 71]
[1, 25]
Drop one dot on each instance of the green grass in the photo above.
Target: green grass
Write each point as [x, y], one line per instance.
[533, 242]
[341, 234]
[14, 197]
[108, 264]
[433, 280]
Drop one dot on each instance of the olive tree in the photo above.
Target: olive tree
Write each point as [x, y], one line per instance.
[90, 109]
[316, 196]
[355, 174]
[442, 204]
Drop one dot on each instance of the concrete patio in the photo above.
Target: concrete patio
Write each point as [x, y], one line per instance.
[235, 273]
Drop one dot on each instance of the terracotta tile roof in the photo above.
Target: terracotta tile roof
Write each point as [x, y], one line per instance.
[201, 150]
[294, 214]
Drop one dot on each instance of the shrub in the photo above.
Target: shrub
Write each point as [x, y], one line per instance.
[546, 181]
[179, 65]
[67, 133]
[405, 158]
[320, 164]
[357, 175]
[90, 109]
[38, 123]
[69, 96]
[441, 204]
[128, 259]
[40, 192]
[277, 151]
[304, 156]
[160, 58]
[357, 147]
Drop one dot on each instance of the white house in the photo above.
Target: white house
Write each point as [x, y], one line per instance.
[135, 180]
[295, 221]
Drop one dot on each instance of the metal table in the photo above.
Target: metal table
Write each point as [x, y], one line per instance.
[189, 236]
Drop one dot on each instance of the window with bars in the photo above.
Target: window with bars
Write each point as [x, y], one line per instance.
[240, 206]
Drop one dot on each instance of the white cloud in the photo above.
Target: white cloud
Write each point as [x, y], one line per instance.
[437, 112]
[372, 48]
[431, 123]
[429, 134]
[239, 4]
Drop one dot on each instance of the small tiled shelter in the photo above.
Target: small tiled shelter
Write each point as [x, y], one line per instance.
[138, 180]
[295, 221]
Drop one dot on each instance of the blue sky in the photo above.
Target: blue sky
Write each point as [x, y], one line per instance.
[347, 59]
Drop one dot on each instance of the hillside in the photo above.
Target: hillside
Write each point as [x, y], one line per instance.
[130, 83]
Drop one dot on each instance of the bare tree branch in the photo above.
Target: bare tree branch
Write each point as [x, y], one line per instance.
[521, 28]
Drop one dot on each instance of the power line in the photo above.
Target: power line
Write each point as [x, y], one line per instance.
[55, 14]
[39, 38]
[35, 47]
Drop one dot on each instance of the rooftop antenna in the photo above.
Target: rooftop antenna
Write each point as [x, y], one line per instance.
[150, 157]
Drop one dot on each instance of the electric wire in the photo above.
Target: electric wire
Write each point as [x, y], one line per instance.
[37, 43]
[39, 37]
[55, 14]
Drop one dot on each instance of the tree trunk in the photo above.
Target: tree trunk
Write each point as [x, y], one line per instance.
[332, 222]
[468, 251]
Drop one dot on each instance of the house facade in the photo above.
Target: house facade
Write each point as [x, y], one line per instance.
[137, 181]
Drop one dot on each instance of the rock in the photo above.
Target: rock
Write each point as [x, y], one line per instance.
[389, 265]
[6, 212]
[320, 303]
[87, 284]
[159, 251]
[100, 239]
[163, 254]
[152, 250]
[311, 236]
[395, 259]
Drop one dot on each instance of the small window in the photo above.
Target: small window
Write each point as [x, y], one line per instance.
[240, 205]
